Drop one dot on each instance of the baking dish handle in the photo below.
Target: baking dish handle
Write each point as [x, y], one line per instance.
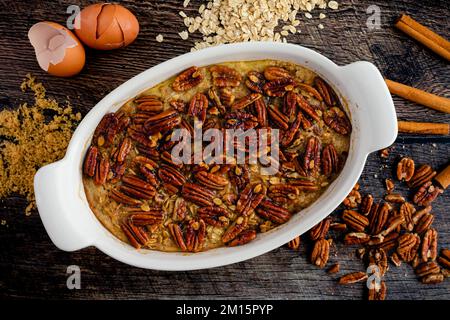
[379, 127]
[63, 228]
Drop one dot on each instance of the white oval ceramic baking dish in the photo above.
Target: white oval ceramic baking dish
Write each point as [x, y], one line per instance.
[72, 225]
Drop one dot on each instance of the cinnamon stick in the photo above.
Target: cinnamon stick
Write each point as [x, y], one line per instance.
[424, 35]
[423, 127]
[443, 178]
[418, 96]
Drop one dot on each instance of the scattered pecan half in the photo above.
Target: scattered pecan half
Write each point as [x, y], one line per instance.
[424, 223]
[355, 221]
[408, 245]
[426, 194]
[187, 79]
[378, 217]
[444, 258]
[422, 175]
[378, 257]
[320, 253]
[405, 169]
[429, 245]
[294, 244]
[366, 204]
[353, 277]
[320, 230]
[377, 292]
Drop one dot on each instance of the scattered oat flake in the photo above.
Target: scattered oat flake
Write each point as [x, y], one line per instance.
[186, 3]
[160, 38]
[333, 5]
[320, 26]
[184, 35]
[322, 16]
[3, 222]
[230, 21]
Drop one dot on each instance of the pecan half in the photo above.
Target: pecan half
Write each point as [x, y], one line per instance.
[320, 253]
[250, 198]
[353, 277]
[197, 194]
[179, 210]
[120, 197]
[239, 225]
[429, 245]
[276, 73]
[226, 96]
[240, 120]
[261, 112]
[215, 216]
[355, 221]
[325, 91]
[294, 244]
[290, 134]
[424, 223]
[144, 218]
[90, 161]
[243, 238]
[187, 79]
[282, 192]
[422, 175]
[426, 194]
[356, 238]
[210, 180]
[255, 81]
[162, 122]
[311, 158]
[195, 235]
[277, 88]
[378, 217]
[427, 268]
[407, 210]
[137, 188]
[277, 117]
[320, 230]
[306, 108]
[408, 244]
[433, 278]
[135, 234]
[304, 185]
[337, 120]
[224, 76]
[245, 101]
[330, 160]
[389, 185]
[106, 130]
[198, 106]
[444, 258]
[149, 104]
[366, 204]
[102, 171]
[170, 175]
[405, 169]
[290, 104]
[123, 150]
[394, 198]
[378, 257]
[270, 211]
[240, 176]
[177, 236]
[306, 89]
[377, 292]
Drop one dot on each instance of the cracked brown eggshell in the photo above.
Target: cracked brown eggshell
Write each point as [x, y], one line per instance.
[106, 26]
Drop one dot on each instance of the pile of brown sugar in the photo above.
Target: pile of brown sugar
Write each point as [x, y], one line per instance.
[32, 136]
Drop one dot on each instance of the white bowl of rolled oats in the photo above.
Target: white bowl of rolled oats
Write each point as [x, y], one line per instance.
[117, 189]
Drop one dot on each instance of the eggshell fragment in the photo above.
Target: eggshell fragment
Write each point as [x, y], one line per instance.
[106, 26]
[57, 49]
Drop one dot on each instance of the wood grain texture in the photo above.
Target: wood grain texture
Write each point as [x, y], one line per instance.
[31, 266]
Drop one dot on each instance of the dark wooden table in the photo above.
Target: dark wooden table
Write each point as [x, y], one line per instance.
[31, 266]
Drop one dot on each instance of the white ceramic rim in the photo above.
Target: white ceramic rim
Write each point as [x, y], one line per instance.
[72, 225]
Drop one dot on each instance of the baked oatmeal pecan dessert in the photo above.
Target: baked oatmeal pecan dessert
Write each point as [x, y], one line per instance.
[147, 196]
